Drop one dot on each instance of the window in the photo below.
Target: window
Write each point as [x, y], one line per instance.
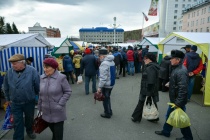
[174, 28]
[204, 10]
[196, 30]
[183, 0]
[188, 16]
[176, 0]
[175, 17]
[196, 22]
[174, 22]
[189, 0]
[183, 5]
[203, 20]
[198, 13]
[209, 9]
[207, 29]
[175, 11]
[176, 5]
[191, 30]
[208, 19]
[201, 30]
[188, 24]
[195, 0]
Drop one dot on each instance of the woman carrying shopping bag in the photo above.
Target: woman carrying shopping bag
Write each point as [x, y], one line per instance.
[149, 86]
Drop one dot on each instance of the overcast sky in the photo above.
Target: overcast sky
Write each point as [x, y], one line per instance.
[71, 15]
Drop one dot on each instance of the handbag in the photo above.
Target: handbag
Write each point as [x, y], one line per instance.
[79, 81]
[39, 124]
[99, 96]
[150, 112]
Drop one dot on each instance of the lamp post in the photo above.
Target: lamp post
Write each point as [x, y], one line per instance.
[114, 28]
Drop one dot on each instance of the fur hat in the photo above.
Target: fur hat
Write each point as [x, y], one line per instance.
[87, 51]
[188, 46]
[31, 59]
[177, 53]
[17, 57]
[151, 56]
[103, 51]
[51, 62]
[194, 48]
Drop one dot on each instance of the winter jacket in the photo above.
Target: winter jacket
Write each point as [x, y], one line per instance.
[21, 87]
[124, 56]
[140, 56]
[76, 60]
[107, 72]
[54, 93]
[178, 85]
[130, 55]
[67, 64]
[117, 58]
[144, 52]
[149, 82]
[193, 62]
[60, 64]
[165, 68]
[89, 63]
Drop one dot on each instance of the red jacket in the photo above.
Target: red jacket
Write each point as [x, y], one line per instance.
[130, 56]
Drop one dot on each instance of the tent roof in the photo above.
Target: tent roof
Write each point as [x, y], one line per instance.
[198, 38]
[57, 42]
[6, 39]
[23, 40]
[152, 40]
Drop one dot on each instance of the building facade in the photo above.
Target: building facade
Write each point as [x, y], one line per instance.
[102, 35]
[44, 31]
[197, 17]
[171, 15]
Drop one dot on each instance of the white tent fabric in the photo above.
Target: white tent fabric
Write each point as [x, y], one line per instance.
[151, 41]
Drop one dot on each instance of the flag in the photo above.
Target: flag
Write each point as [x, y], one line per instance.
[153, 8]
[146, 18]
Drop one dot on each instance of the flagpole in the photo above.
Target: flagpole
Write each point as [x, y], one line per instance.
[142, 27]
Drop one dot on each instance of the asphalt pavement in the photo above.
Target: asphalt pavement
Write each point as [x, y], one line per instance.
[84, 121]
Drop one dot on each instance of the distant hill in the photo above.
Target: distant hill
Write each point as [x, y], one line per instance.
[132, 35]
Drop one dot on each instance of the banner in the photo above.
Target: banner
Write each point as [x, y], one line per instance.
[153, 8]
[146, 18]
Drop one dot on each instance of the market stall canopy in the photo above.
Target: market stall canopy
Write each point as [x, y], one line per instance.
[194, 38]
[76, 45]
[61, 45]
[121, 45]
[152, 42]
[30, 45]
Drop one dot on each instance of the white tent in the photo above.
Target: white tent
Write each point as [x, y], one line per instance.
[177, 39]
[31, 45]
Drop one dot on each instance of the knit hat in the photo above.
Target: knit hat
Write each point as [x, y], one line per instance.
[103, 51]
[151, 56]
[51, 62]
[87, 51]
[194, 48]
[177, 53]
[17, 57]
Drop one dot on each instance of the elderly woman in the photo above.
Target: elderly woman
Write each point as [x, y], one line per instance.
[149, 86]
[54, 93]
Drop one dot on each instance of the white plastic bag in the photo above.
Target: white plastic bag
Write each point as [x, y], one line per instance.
[150, 112]
[79, 81]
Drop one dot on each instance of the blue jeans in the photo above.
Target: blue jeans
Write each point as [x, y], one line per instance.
[18, 110]
[191, 86]
[107, 101]
[186, 132]
[87, 81]
[130, 67]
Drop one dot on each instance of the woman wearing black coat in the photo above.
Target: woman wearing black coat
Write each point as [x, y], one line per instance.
[149, 86]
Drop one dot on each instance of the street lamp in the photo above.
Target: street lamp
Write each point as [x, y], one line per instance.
[115, 26]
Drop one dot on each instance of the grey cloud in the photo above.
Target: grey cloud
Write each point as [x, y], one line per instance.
[6, 2]
[67, 2]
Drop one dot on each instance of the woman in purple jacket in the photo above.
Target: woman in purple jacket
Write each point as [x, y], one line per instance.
[54, 93]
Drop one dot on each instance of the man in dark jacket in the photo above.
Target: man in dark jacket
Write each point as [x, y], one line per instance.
[164, 72]
[177, 93]
[89, 64]
[136, 60]
[68, 68]
[21, 84]
[117, 60]
[123, 62]
[194, 65]
[144, 52]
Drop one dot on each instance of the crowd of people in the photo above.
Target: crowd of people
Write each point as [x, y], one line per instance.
[22, 83]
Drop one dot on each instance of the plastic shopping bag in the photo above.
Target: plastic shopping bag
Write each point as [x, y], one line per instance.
[178, 118]
[8, 120]
[79, 81]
